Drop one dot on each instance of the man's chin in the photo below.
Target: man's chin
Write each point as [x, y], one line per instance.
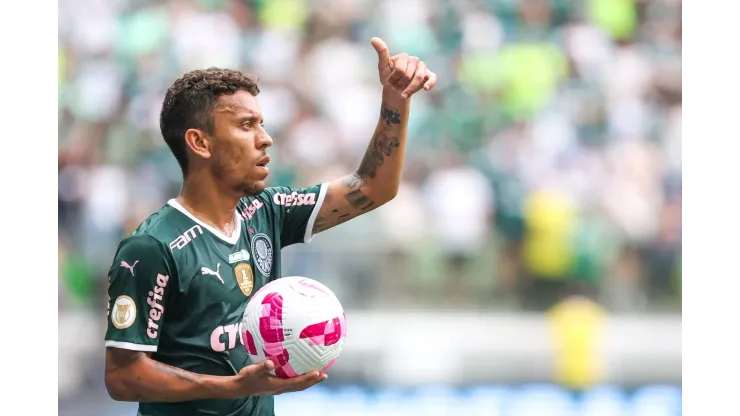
[253, 188]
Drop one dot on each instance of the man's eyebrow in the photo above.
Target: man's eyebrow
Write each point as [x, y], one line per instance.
[250, 116]
[238, 111]
[229, 108]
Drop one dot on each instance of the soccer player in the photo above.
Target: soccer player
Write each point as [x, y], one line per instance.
[180, 283]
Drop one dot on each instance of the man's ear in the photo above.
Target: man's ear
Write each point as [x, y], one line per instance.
[198, 143]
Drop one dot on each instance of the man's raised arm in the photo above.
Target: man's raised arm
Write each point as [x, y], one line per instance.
[378, 177]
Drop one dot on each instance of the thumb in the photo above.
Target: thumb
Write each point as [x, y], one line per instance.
[266, 366]
[381, 48]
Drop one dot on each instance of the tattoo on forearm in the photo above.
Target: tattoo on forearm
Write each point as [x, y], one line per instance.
[181, 375]
[380, 147]
[390, 117]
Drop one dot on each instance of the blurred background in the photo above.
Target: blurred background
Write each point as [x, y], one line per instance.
[534, 249]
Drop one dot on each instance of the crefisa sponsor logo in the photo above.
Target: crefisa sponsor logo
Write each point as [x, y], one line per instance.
[294, 199]
[156, 301]
[250, 209]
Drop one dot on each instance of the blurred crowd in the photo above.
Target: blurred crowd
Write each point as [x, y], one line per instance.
[546, 162]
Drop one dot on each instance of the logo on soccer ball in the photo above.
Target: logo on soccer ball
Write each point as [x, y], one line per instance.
[124, 312]
[262, 253]
[244, 277]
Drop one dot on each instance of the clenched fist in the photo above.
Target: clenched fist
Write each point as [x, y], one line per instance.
[402, 73]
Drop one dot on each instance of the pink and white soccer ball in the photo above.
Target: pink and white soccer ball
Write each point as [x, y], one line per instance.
[296, 322]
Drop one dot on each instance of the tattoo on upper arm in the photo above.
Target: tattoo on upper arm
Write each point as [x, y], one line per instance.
[341, 212]
[324, 223]
[390, 117]
[352, 181]
[358, 200]
[355, 197]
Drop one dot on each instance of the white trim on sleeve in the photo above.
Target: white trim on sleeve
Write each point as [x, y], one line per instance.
[308, 235]
[131, 346]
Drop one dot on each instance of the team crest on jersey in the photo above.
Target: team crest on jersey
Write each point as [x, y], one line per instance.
[123, 314]
[244, 277]
[262, 253]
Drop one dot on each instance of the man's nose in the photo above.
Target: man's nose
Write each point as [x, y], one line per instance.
[264, 140]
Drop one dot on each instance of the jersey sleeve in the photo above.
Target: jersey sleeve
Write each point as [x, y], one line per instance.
[296, 211]
[140, 279]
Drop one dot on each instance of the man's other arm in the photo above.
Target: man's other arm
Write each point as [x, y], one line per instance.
[378, 177]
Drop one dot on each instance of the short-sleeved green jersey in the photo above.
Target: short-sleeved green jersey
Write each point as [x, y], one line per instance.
[178, 288]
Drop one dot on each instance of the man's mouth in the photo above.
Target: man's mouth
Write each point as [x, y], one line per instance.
[264, 161]
[262, 165]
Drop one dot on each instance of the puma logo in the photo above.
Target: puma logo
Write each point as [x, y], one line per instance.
[205, 270]
[131, 268]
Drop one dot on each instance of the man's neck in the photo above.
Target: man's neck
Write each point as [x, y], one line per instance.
[209, 203]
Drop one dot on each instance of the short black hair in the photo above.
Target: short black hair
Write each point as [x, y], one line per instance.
[191, 99]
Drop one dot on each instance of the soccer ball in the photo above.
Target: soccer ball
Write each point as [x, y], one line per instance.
[297, 323]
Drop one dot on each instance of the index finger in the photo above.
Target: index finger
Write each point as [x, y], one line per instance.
[431, 80]
[417, 81]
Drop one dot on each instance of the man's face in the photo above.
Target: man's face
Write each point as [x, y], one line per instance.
[239, 144]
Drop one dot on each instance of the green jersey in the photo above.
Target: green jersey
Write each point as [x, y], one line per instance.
[178, 288]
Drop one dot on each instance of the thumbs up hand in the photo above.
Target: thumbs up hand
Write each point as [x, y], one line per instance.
[402, 73]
